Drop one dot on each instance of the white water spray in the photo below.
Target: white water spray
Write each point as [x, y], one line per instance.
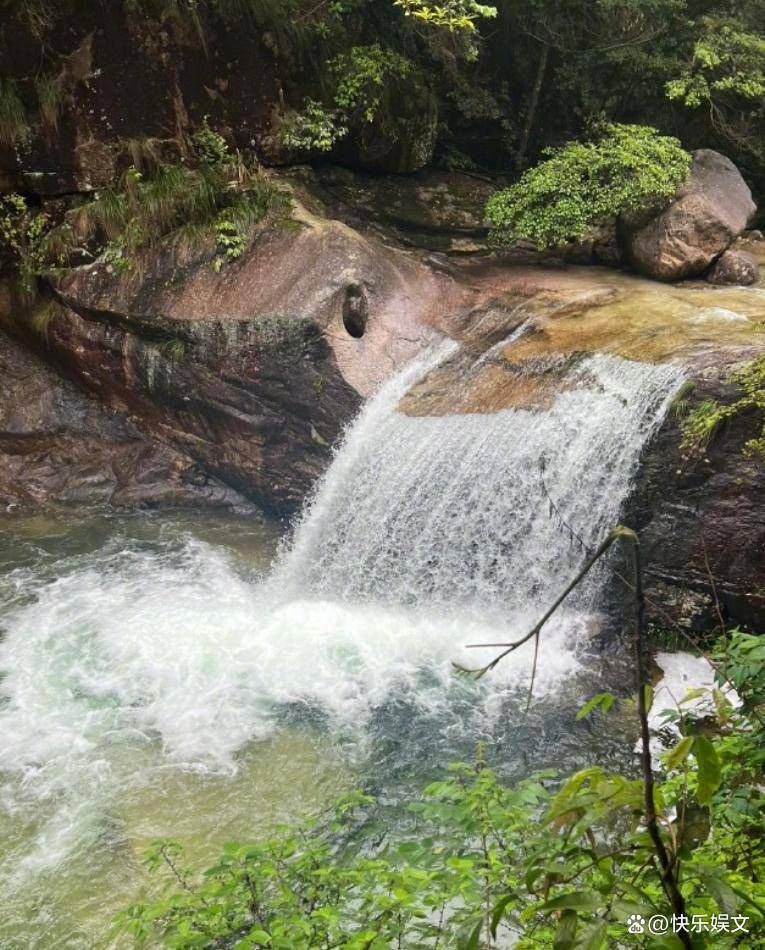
[472, 510]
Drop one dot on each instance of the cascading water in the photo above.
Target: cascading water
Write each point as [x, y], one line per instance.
[137, 670]
[456, 509]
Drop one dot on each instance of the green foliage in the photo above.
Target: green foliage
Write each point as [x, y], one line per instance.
[627, 169]
[544, 863]
[725, 60]
[704, 421]
[315, 128]
[697, 69]
[601, 701]
[361, 76]
[726, 77]
[451, 14]
[211, 147]
[221, 197]
[230, 232]
[13, 121]
[26, 240]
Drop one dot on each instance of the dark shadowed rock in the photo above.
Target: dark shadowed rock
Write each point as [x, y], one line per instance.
[734, 267]
[401, 138]
[701, 516]
[59, 447]
[708, 213]
[440, 210]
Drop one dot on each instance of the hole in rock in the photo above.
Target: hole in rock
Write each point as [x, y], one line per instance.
[355, 312]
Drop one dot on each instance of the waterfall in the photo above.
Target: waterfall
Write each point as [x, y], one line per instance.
[478, 511]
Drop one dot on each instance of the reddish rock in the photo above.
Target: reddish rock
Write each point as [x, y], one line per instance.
[58, 447]
[252, 372]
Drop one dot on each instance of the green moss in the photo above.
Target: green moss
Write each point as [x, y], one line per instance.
[174, 349]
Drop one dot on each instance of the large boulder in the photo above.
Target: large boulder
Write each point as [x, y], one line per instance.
[708, 213]
[735, 267]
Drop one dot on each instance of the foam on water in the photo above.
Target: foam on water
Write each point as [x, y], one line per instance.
[425, 535]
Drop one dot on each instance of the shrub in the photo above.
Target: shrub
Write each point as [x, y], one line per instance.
[27, 240]
[211, 147]
[629, 168]
[362, 77]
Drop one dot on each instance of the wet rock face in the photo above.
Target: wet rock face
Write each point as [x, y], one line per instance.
[251, 373]
[708, 213]
[59, 447]
[735, 267]
[254, 405]
[701, 520]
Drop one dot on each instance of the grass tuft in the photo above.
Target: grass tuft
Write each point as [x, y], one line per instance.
[50, 97]
[13, 119]
[702, 424]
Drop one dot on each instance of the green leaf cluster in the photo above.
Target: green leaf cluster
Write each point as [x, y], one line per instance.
[361, 77]
[727, 60]
[627, 169]
[28, 240]
[451, 14]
